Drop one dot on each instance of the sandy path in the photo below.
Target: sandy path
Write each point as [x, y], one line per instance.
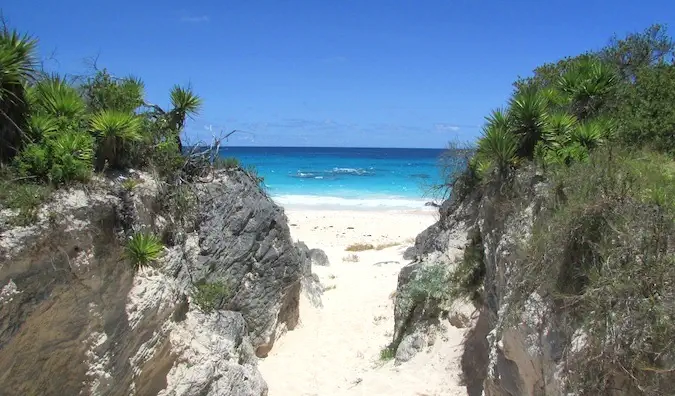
[336, 349]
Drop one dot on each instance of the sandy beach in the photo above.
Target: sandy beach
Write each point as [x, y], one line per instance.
[336, 349]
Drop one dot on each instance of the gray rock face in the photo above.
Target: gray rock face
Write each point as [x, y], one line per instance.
[319, 257]
[76, 319]
[498, 360]
[245, 242]
[415, 315]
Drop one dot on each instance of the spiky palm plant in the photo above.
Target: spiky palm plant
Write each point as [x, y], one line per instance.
[142, 249]
[71, 155]
[54, 96]
[41, 126]
[587, 83]
[113, 130]
[185, 104]
[17, 67]
[528, 110]
[106, 92]
[498, 147]
[589, 134]
[500, 118]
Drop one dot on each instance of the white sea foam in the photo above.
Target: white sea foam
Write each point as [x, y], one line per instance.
[377, 203]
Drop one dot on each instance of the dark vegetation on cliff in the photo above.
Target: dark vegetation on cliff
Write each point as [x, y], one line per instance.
[599, 130]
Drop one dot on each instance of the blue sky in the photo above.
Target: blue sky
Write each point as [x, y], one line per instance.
[383, 73]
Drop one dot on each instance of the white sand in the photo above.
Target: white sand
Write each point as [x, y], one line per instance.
[336, 349]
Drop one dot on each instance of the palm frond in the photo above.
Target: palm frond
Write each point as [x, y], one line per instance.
[53, 95]
[184, 101]
[499, 147]
[529, 111]
[110, 124]
[499, 118]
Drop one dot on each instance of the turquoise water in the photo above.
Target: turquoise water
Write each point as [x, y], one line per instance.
[357, 177]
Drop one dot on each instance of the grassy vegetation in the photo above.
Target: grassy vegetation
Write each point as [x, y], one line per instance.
[210, 296]
[351, 258]
[430, 284]
[387, 354]
[605, 250]
[25, 198]
[143, 249]
[226, 163]
[359, 247]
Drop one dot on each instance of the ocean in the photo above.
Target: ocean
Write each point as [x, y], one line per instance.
[356, 178]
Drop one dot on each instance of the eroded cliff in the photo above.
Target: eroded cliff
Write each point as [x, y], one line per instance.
[77, 319]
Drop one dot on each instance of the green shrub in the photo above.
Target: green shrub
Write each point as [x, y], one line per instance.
[646, 113]
[105, 92]
[497, 148]
[143, 249]
[387, 353]
[26, 198]
[34, 160]
[431, 283]
[114, 131]
[604, 248]
[130, 183]
[226, 163]
[166, 159]
[210, 296]
[71, 156]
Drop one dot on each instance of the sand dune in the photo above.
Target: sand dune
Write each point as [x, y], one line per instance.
[336, 349]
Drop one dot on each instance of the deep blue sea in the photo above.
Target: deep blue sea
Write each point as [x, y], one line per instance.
[353, 177]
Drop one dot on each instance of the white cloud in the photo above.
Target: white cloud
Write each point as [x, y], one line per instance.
[195, 19]
[441, 127]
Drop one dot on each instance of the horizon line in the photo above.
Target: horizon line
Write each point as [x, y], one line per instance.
[343, 147]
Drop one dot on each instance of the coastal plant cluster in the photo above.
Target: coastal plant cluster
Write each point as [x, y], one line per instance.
[600, 129]
[60, 131]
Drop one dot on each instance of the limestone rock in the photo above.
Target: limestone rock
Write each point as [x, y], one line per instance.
[245, 242]
[76, 319]
[319, 257]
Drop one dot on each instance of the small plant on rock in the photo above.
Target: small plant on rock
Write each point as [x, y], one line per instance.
[387, 353]
[130, 183]
[210, 296]
[143, 249]
[226, 163]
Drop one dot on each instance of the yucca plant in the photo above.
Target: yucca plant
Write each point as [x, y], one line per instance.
[185, 104]
[105, 92]
[587, 83]
[71, 156]
[528, 111]
[17, 67]
[41, 126]
[557, 130]
[54, 96]
[498, 147]
[588, 134]
[500, 118]
[143, 249]
[113, 130]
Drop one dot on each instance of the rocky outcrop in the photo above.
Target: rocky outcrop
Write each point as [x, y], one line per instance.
[319, 257]
[75, 318]
[502, 356]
